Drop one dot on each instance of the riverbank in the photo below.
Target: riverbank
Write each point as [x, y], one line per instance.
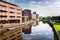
[57, 27]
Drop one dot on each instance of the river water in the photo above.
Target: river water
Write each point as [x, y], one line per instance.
[40, 32]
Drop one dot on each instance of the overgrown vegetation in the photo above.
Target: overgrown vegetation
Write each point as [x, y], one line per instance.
[57, 26]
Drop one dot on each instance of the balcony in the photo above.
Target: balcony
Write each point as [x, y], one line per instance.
[12, 18]
[12, 10]
[3, 18]
[10, 25]
[5, 14]
[11, 14]
[3, 3]
[3, 8]
[18, 15]
[0, 8]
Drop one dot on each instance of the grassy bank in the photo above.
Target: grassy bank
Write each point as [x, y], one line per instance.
[57, 27]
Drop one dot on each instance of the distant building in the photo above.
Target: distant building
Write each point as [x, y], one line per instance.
[24, 16]
[35, 16]
[10, 14]
[56, 18]
[28, 11]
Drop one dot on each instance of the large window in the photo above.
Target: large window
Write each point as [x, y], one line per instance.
[18, 16]
[2, 11]
[3, 6]
[12, 12]
[12, 8]
[3, 16]
[14, 21]
[18, 13]
[12, 16]
[4, 21]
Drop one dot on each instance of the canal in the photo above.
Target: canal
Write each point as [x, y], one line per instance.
[40, 32]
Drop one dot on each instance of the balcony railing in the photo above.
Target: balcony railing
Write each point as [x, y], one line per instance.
[13, 10]
[4, 14]
[4, 8]
[3, 18]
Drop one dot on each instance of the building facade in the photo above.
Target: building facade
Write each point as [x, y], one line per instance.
[55, 18]
[35, 16]
[26, 15]
[28, 11]
[10, 14]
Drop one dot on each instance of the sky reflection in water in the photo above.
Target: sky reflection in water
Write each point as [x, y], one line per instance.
[40, 32]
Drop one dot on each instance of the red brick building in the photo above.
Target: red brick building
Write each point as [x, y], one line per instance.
[10, 14]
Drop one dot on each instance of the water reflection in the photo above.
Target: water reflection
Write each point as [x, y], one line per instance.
[40, 32]
[35, 23]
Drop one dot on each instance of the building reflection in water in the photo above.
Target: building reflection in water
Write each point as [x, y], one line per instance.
[35, 23]
[27, 30]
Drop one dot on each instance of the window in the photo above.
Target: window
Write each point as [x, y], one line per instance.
[0, 6]
[5, 39]
[3, 6]
[18, 16]
[12, 8]
[18, 32]
[11, 12]
[0, 21]
[0, 11]
[12, 35]
[18, 13]
[19, 36]
[3, 11]
[18, 9]
[4, 21]
[13, 38]
[12, 16]
[3, 16]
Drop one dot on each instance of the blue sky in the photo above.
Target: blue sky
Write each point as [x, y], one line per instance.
[42, 7]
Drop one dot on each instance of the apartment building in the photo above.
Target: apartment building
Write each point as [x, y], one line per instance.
[26, 15]
[35, 16]
[10, 14]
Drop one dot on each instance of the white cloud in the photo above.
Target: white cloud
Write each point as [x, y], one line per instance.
[47, 2]
[32, 2]
[57, 3]
[52, 9]
[39, 2]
